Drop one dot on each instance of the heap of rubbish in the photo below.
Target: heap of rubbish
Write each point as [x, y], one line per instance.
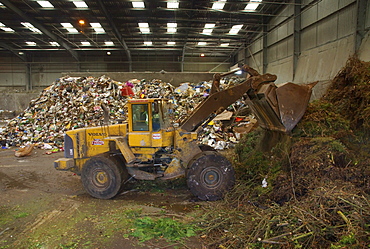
[76, 102]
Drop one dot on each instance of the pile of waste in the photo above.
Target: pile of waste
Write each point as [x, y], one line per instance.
[76, 102]
[311, 190]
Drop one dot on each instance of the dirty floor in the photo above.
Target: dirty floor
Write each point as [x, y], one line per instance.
[44, 208]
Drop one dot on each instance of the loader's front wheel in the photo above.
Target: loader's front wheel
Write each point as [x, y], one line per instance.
[103, 176]
[210, 176]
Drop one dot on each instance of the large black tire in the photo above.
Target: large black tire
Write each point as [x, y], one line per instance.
[210, 175]
[103, 176]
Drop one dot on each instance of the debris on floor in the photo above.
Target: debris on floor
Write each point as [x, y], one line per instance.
[75, 102]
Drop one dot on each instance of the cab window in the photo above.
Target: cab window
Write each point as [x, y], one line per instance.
[140, 117]
[156, 123]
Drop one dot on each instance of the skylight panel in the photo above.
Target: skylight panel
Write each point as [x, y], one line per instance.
[138, 4]
[208, 28]
[80, 4]
[109, 43]
[172, 4]
[30, 43]
[97, 27]
[45, 4]
[171, 27]
[5, 28]
[69, 27]
[144, 27]
[31, 27]
[148, 43]
[54, 44]
[171, 43]
[85, 43]
[202, 43]
[253, 5]
[235, 29]
[218, 5]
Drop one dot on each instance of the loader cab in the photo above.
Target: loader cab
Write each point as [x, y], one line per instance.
[147, 123]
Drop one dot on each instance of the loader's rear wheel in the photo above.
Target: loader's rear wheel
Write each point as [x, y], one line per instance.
[210, 176]
[103, 176]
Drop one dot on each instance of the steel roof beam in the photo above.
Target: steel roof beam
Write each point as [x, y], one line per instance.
[116, 33]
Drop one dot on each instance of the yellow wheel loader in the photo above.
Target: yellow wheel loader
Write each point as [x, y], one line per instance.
[147, 147]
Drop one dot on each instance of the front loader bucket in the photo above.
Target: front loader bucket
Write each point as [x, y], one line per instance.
[279, 108]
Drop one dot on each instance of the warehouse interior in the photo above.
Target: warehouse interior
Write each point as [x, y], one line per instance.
[185, 124]
[299, 40]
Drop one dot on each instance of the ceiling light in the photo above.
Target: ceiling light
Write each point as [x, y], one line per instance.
[69, 27]
[55, 44]
[172, 4]
[219, 5]
[171, 43]
[138, 4]
[109, 53]
[202, 55]
[97, 27]
[144, 27]
[224, 44]
[5, 28]
[148, 43]
[20, 53]
[202, 43]
[85, 43]
[29, 43]
[45, 4]
[31, 27]
[235, 29]
[171, 27]
[252, 5]
[208, 28]
[82, 22]
[109, 43]
[80, 4]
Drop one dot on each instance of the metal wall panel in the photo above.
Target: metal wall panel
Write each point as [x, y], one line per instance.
[326, 8]
[309, 38]
[344, 3]
[327, 30]
[309, 16]
[347, 21]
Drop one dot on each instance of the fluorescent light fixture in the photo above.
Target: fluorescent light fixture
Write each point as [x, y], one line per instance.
[218, 5]
[208, 28]
[97, 27]
[109, 43]
[202, 43]
[55, 44]
[252, 5]
[172, 5]
[5, 28]
[85, 43]
[80, 4]
[144, 27]
[235, 29]
[45, 4]
[69, 27]
[138, 4]
[224, 44]
[171, 43]
[171, 27]
[148, 43]
[31, 27]
[239, 72]
[29, 43]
